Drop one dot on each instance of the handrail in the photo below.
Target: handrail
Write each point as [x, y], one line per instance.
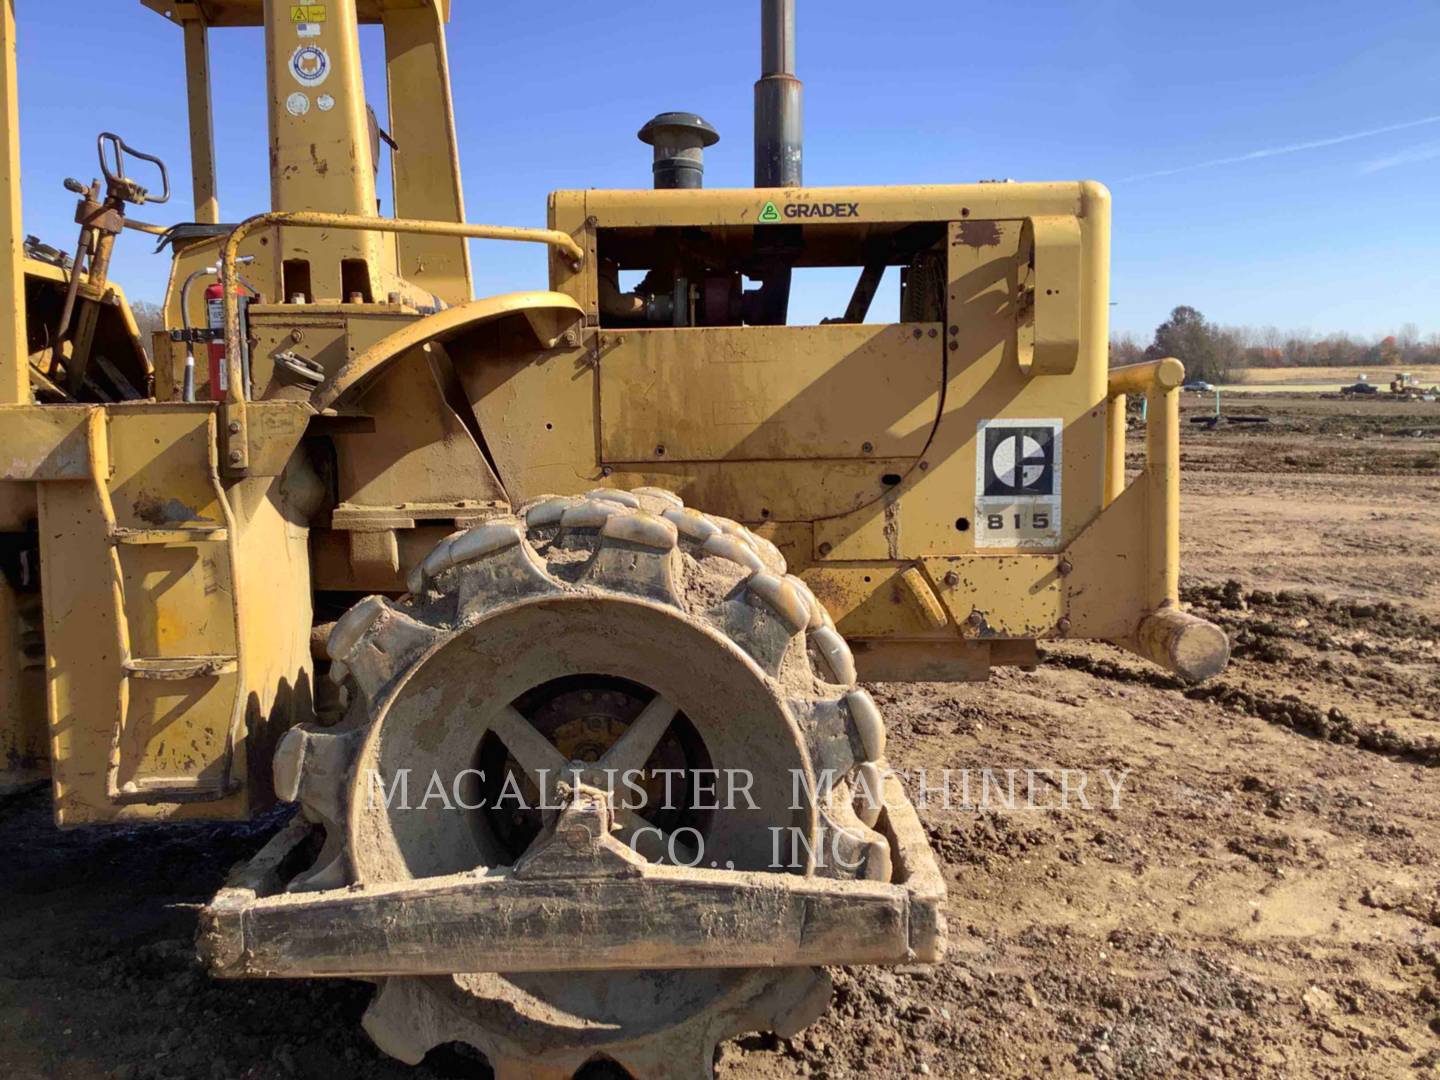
[1151, 375]
[1160, 380]
[1178, 641]
[1165, 374]
[237, 457]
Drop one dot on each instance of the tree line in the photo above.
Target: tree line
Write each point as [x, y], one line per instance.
[1216, 353]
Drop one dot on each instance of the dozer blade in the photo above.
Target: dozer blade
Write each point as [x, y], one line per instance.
[541, 915]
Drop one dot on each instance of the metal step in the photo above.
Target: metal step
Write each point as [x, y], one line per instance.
[176, 668]
[182, 533]
[178, 789]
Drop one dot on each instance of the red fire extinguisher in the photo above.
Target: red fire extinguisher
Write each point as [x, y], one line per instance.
[215, 312]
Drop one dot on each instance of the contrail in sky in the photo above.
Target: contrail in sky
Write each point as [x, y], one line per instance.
[1293, 148]
[1425, 152]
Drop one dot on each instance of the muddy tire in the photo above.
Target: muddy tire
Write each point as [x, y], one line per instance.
[608, 632]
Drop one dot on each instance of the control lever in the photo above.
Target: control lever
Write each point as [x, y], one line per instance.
[121, 185]
[100, 221]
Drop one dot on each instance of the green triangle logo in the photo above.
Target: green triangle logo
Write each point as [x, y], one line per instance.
[770, 214]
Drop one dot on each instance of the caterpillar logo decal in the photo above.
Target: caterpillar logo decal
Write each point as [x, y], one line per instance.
[771, 213]
[1017, 483]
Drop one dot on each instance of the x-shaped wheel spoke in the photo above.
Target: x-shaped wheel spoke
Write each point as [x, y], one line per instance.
[546, 767]
[633, 749]
[537, 755]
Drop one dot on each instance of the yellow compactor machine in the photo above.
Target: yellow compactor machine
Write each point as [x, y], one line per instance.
[442, 569]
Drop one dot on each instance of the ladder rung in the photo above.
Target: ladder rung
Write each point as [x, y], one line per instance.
[178, 789]
[175, 668]
[199, 533]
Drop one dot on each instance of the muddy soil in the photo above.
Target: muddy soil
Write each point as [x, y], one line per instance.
[1261, 899]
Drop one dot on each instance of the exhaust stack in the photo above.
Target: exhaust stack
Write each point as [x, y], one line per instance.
[679, 140]
[779, 100]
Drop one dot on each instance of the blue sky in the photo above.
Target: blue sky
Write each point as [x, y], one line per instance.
[1339, 236]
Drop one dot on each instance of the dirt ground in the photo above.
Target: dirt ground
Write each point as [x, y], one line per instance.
[1264, 900]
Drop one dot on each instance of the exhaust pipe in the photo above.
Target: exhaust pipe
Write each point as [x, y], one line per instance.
[679, 140]
[779, 100]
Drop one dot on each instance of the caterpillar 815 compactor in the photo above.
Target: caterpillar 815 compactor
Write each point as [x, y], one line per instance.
[549, 608]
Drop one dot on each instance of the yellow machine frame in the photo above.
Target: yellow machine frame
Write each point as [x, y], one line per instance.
[189, 547]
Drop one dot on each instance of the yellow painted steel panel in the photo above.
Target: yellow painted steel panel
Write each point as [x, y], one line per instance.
[14, 350]
[769, 393]
[1005, 596]
[426, 184]
[120, 615]
[44, 442]
[740, 206]
[879, 601]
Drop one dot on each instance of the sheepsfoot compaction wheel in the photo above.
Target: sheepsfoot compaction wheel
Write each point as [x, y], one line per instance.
[605, 791]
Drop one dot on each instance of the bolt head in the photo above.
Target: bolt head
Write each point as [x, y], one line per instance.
[235, 429]
[868, 448]
[975, 618]
[1063, 625]
[826, 548]
[236, 457]
[1065, 566]
[952, 579]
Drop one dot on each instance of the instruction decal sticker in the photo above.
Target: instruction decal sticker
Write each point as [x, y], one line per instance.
[310, 64]
[301, 14]
[1017, 483]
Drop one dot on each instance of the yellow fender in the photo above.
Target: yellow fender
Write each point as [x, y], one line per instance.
[549, 315]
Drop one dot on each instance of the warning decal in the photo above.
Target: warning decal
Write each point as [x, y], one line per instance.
[307, 13]
[1017, 483]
